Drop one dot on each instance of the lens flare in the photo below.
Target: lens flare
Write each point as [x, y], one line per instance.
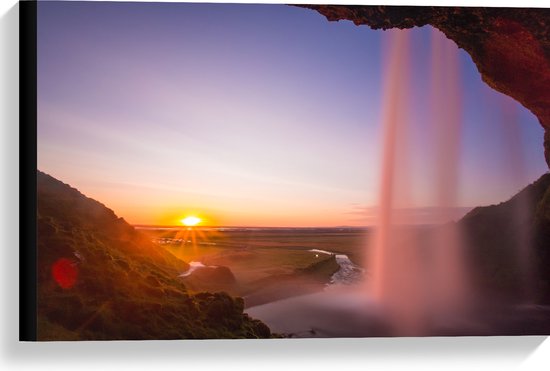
[65, 273]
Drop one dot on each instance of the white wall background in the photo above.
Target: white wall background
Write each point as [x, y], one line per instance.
[483, 353]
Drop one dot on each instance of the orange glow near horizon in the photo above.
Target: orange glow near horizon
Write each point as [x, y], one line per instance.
[171, 208]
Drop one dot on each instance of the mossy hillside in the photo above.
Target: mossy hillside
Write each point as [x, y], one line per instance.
[126, 287]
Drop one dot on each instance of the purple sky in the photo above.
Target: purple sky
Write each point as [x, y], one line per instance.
[246, 114]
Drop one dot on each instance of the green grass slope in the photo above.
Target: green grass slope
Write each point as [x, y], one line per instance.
[98, 278]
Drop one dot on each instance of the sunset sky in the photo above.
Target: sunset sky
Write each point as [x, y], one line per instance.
[250, 115]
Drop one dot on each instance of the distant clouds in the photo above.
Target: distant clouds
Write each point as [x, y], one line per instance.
[368, 215]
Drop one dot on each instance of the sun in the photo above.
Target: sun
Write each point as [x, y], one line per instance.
[190, 221]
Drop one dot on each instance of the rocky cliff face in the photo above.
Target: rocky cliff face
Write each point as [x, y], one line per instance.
[510, 46]
[505, 240]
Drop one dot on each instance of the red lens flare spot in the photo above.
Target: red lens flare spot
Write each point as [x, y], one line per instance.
[64, 272]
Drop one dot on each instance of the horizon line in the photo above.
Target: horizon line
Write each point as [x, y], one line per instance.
[239, 226]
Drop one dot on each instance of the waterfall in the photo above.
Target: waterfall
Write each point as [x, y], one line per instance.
[418, 273]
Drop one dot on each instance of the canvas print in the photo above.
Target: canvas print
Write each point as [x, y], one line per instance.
[213, 171]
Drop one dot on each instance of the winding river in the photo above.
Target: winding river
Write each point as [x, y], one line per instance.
[348, 274]
[332, 312]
